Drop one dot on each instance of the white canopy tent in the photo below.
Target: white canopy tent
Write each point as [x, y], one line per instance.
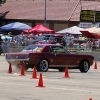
[71, 30]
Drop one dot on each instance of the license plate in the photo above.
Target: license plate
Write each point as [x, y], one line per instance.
[17, 62]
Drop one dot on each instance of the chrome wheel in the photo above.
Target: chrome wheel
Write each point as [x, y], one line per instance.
[84, 66]
[43, 66]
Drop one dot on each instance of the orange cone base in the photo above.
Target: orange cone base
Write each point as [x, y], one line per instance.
[22, 75]
[34, 78]
[66, 77]
[10, 73]
[40, 86]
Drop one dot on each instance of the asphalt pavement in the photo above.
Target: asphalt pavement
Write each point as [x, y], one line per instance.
[80, 86]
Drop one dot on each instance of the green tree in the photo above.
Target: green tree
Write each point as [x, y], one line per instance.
[2, 1]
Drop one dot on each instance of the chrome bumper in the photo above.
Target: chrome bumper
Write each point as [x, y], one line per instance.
[17, 59]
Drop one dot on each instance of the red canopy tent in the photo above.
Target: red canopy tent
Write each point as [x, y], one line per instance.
[25, 31]
[93, 32]
[39, 29]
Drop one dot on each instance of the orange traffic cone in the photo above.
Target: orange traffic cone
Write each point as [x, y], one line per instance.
[66, 73]
[10, 68]
[34, 75]
[22, 70]
[90, 98]
[95, 65]
[40, 83]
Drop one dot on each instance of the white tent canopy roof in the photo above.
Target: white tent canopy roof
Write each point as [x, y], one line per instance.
[93, 30]
[71, 30]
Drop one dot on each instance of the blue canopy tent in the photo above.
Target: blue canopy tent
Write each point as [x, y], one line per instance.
[15, 27]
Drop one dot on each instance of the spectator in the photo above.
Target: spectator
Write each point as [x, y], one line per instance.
[93, 45]
[80, 37]
[88, 45]
[12, 42]
[84, 45]
[32, 35]
[71, 43]
[53, 41]
[18, 41]
[23, 42]
[10, 34]
[29, 41]
[62, 42]
[22, 35]
[98, 44]
[6, 45]
[45, 41]
[79, 47]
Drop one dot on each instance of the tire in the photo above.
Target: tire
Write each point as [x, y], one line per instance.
[84, 66]
[61, 69]
[43, 65]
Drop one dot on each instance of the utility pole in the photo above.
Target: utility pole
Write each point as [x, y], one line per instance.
[45, 13]
[73, 12]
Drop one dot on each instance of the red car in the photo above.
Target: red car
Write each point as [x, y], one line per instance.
[53, 56]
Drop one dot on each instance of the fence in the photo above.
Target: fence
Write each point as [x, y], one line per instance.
[72, 48]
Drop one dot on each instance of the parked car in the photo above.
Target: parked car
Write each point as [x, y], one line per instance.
[42, 37]
[53, 56]
[48, 37]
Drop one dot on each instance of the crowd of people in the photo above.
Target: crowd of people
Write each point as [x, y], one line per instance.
[11, 41]
[83, 43]
[25, 40]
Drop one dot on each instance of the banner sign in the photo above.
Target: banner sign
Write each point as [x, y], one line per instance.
[97, 16]
[89, 16]
[85, 24]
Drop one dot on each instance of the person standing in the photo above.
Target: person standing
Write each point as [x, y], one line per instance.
[6, 45]
[63, 43]
[29, 41]
[93, 45]
[53, 41]
[10, 34]
[12, 42]
[88, 45]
